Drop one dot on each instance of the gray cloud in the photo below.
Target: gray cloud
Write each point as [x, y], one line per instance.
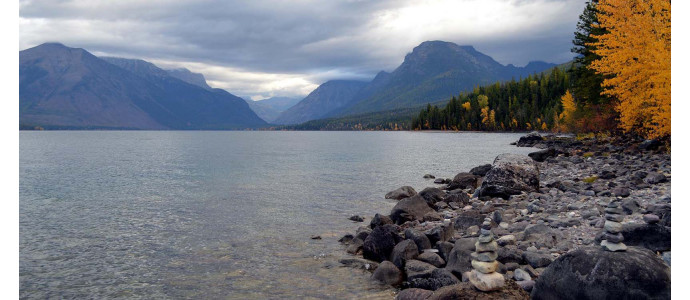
[268, 48]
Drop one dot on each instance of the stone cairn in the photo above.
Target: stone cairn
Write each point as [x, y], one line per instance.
[613, 238]
[484, 276]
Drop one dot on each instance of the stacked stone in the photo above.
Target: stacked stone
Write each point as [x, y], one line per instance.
[613, 239]
[483, 275]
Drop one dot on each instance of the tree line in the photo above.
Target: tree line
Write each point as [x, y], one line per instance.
[620, 80]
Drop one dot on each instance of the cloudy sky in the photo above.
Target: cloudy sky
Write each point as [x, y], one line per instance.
[261, 49]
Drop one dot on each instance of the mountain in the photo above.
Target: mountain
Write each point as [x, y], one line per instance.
[327, 97]
[269, 109]
[190, 77]
[62, 87]
[434, 71]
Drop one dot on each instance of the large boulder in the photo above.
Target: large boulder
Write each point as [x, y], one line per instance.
[401, 193]
[467, 219]
[592, 273]
[437, 279]
[481, 170]
[459, 259]
[419, 238]
[653, 237]
[542, 155]
[511, 174]
[410, 209]
[403, 251]
[463, 181]
[378, 220]
[387, 273]
[432, 195]
[380, 243]
[530, 139]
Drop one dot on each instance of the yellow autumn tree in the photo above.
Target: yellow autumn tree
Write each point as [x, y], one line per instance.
[636, 60]
[467, 106]
[565, 121]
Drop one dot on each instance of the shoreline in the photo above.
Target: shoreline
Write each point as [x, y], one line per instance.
[557, 211]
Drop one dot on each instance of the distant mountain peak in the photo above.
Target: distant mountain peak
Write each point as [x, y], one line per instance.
[188, 76]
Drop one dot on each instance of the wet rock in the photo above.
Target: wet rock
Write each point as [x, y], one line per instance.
[428, 176]
[481, 170]
[439, 181]
[529, 140]
[413, 294]
[410, 209]
[437, 279]
[418, 269]
[511, 174]
[355, 246]
[420, 239]
[401, 193]
[356, 218]
[387, 273]
[432, 259]
[380, 243]
[463, 181]
[379, 219]
[403, 251]
[358, 263]
[347, 238]
[432, 195]
[592, 273]
[542, 155]
[440, 233]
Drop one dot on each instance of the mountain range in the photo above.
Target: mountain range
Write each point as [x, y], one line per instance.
[433, 71]
[70, 88]
[269, 109]
[62, 87]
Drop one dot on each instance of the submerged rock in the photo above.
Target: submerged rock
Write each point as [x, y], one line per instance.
[380, 243]
[387, 273]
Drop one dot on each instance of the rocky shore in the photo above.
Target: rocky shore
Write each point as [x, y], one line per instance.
[579, 219]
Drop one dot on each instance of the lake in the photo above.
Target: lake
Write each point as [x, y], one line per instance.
[217, 214]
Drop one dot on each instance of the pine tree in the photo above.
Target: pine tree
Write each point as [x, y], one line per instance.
[587, 87]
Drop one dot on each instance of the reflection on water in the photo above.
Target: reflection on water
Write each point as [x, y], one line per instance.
[215, 214]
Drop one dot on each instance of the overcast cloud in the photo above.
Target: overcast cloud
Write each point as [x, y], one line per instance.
[287, 48]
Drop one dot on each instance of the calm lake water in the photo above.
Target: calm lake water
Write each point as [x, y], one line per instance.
[216, 214]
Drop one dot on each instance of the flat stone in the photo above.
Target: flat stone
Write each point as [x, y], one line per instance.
[485, 238]
[613, 238]
[486, 282]
[651, 218]
[507, 240]
[486, 247]
[613, 227]
[617, 211]
[484, 231]
[485, 267]
[615, 218]
[484, 256]
[613, 247]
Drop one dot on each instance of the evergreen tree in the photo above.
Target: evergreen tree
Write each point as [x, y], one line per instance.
[587, 83]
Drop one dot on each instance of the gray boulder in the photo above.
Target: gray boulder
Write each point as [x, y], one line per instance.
[511, 174]
[419, 238]
[432, 195]
[401, 193]
[380, 243]
[410, 209]
[403, 251]
[463, 180]
[387, 273]
[592, 273]
[481, 170]
[437, 279]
